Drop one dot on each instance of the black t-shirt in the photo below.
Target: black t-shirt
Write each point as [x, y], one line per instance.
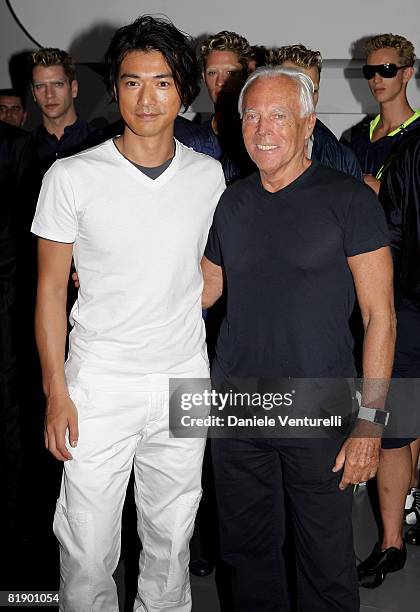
[290, 291]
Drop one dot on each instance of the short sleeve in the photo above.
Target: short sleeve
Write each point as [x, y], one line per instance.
[213, 250]
[56, 215]
[365, 226]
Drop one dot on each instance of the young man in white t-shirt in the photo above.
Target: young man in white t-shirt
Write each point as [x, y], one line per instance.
[134, 213]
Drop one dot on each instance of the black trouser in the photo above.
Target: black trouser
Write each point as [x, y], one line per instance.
[253, 477]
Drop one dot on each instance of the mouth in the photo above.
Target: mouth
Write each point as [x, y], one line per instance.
[147, 116]
[262, 147]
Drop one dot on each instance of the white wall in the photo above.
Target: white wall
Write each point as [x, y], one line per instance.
[333, 26]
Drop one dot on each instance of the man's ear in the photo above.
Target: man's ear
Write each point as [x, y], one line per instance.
[25, 114]
[74, 88]
[408, 74]
[310, 124]
[115, 94]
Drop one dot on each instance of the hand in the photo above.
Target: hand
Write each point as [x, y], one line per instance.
[75, 279]
[372, 182]
[60, 415]
[360, 459]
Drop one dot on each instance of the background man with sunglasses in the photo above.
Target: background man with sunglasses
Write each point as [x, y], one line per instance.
[380, 149]
[389, 67]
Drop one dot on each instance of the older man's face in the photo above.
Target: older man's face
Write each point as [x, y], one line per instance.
[273, 129]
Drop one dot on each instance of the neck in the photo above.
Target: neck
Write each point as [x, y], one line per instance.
[56, 125]
[394, 113]
[284, 176]
[148, 151]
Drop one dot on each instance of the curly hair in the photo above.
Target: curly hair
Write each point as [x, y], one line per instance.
[392, 41]
[49, 56]
[149, 33]
[227, 41]
[298, 54]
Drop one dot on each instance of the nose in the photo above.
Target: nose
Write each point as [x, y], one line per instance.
[264, 126]
[49, 90]
[377, 78]
[221, 79]
[145, 95]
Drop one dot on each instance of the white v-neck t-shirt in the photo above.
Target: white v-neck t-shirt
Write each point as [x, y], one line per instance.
[137, 246]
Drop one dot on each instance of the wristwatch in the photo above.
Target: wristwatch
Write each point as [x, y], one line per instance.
[374, 415]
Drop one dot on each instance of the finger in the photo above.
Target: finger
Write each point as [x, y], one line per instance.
[339, 461]
[73, 431]
[60, 444]
[52, 446]
[344, 483]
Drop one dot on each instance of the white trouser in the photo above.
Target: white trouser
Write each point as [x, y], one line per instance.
[115, 430]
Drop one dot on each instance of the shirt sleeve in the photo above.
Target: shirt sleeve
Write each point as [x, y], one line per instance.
[56, 214]
[365, 225]
[213, 250]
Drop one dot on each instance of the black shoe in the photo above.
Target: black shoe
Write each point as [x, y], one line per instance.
[201, 567]
[372, 571]
[413, 536]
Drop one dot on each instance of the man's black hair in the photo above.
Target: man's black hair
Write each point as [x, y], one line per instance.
[155, 34]
[13, 92]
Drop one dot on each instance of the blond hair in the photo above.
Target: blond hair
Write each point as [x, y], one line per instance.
[49, 56]
[392, 41]
[297, 54]
[227, 41]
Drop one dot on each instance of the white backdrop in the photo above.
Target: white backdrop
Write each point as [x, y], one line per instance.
[331, 25]
[84, 27]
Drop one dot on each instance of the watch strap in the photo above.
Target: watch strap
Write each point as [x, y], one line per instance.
[374, 415]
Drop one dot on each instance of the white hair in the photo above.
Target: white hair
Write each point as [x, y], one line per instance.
[304, 83]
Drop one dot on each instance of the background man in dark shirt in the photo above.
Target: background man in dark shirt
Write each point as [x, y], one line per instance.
[54, 87]
[389, 67]
[12, 109]
[290, 241]
[400, 196]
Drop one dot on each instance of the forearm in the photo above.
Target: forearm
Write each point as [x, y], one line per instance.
[378, 356]
[210, 296]
[51, 330]
[213, 283]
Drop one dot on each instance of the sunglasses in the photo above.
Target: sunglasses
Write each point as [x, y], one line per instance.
[387, 71]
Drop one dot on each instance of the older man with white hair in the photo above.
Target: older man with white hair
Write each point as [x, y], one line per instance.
[291, 243]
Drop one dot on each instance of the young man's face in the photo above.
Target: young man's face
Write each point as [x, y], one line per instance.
[312, 72]
[273, 128]
[147, 95]
[11, 110]
[223, 74]
[385, 89]
[52, 91]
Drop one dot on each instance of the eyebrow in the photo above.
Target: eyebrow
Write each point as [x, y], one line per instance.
[223, 66]
[129, 75]
[274, 108]
[49, 81]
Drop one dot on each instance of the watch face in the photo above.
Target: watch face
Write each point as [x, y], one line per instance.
[381, 417]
